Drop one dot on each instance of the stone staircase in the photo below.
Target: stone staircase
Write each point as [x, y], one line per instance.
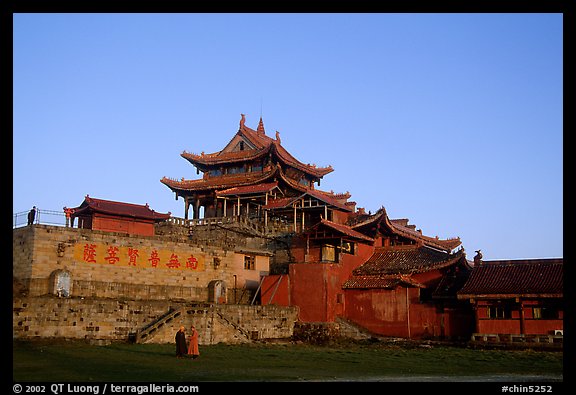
[243, 333]
[151, 329]
[351, 330]
[220, 323]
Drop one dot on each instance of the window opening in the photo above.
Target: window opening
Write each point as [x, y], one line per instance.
[250, 262]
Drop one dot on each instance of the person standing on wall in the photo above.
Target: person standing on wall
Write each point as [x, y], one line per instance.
[31, 215]
[181, 342]
[193, 347]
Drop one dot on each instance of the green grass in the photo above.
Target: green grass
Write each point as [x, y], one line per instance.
[76, 361]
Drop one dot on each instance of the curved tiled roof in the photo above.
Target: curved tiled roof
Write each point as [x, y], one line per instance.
[379, 281]
[248, 189]
[316, 194]
[391, 267]
[224, 157]
[407, 260]
[515, 278]
[263, 145]
[287, 158]
[219, 182]
[344, 229]
[380, 219]
[118, 208]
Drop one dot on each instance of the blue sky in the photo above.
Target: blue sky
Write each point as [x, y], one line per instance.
[451, 120]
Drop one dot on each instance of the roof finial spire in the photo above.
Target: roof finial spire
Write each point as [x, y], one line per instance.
[260, 128]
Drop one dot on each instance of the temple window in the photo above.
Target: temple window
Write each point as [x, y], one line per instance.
[537, 313]
[348, 247]
[498, 312]
[329, 253]
[249, 262]
[236, 170]
[426, 294]
[241, 145]
[544, 313]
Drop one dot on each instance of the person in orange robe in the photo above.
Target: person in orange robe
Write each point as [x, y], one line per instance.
[193, 346]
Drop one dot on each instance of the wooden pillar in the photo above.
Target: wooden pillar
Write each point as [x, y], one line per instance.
[476, 318]
[266, 211]
[225, 200]
[325, 212]
[197, 208]
[238, 206]
[408, 313]
[295, 216]
[522, 322]
[186, 207]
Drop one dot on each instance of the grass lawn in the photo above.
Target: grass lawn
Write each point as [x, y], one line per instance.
[77, 361]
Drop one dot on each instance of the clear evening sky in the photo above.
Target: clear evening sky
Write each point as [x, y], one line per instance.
[451, 120]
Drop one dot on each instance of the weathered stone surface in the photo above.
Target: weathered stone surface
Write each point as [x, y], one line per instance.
[108, 319]
[108, 302]
[40, 251]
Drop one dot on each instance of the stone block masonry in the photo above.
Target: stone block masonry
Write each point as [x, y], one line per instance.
[115, 265]
[120, 320]
[104, 286]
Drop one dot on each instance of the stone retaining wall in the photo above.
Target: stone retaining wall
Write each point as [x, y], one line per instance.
[99, 264]
[118, 320]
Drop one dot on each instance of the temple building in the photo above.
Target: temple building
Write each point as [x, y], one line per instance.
[112, 216]
[516, 298]
[377, 273]
[262, 232]
[343, 263]
[256, 177]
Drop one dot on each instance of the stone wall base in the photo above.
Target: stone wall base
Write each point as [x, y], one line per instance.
[104, 319]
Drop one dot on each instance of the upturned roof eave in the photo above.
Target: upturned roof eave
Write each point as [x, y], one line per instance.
[509, 295]
[342, 229]
[213, 184]
[393, 269]
[91, 205]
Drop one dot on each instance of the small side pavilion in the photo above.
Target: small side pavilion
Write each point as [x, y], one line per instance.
[111, 216]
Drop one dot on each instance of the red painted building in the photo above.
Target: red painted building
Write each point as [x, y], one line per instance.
[381, 274]
[409, 291]
[516, 296]
[111, 216]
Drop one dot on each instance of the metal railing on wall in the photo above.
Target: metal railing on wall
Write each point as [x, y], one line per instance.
[58, 218]
[45, 217]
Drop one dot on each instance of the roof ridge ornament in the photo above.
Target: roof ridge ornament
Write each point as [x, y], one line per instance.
[278, 137]
[242, 121]
[478, 258]
[260, 128]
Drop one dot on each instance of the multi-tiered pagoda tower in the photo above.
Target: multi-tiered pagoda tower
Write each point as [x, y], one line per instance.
[256, 177]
